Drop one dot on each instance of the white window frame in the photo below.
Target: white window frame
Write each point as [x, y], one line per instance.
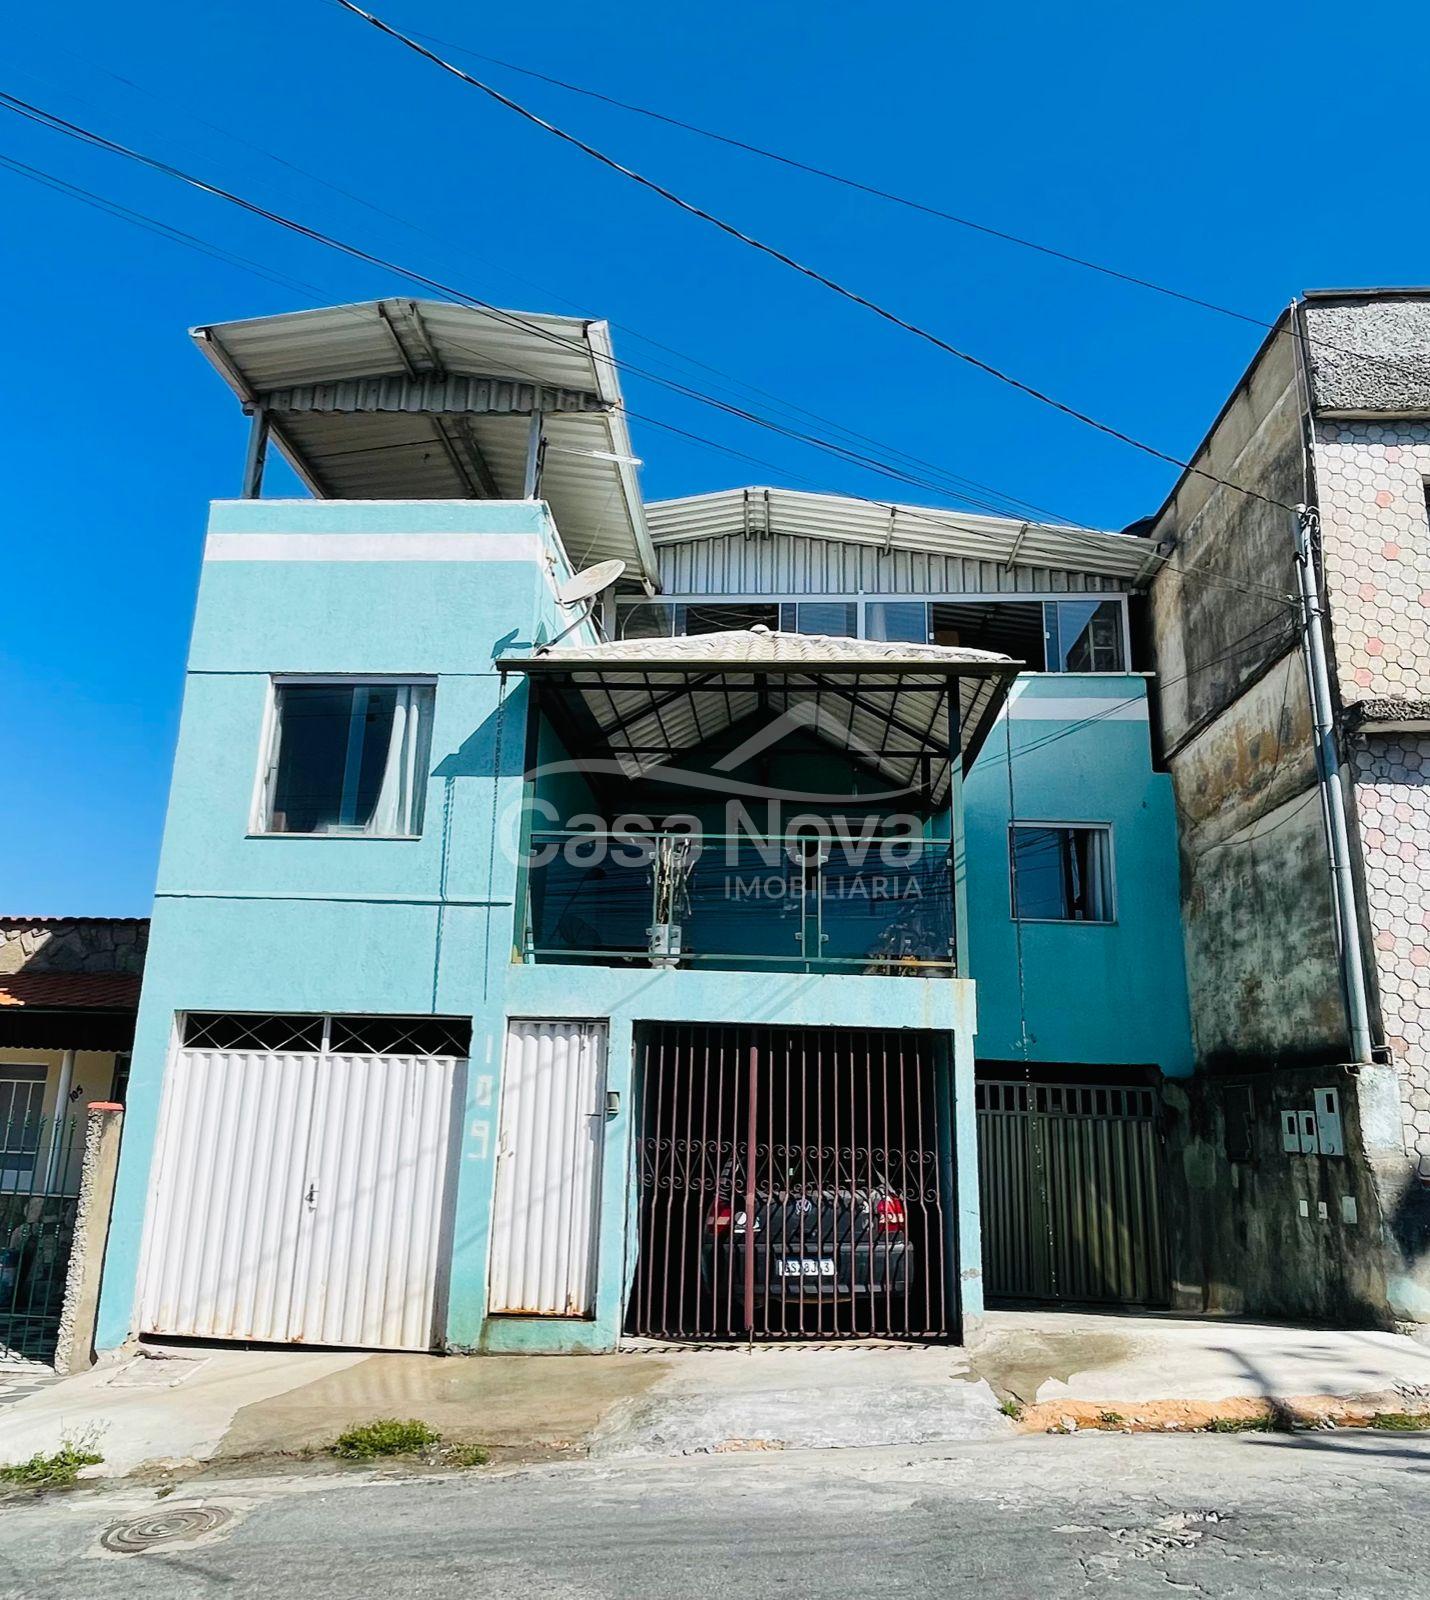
[861, 602]
[260, 806]
[1087, 824]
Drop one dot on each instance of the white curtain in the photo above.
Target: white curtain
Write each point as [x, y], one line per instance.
[393, 813]
[1097, 901]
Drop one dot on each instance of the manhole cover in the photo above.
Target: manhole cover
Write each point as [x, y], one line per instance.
[166, 1525]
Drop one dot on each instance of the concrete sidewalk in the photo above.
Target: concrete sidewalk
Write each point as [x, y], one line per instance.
[186, 1405]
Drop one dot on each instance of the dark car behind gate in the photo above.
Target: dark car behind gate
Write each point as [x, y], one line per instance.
[793, 1183]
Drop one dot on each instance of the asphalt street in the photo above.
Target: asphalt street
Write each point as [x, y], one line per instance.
[1333, 1514]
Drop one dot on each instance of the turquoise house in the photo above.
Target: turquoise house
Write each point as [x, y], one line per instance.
[579, 918]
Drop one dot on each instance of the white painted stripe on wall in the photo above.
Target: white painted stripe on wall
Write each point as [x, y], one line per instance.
[1032, 708]
[374, 547]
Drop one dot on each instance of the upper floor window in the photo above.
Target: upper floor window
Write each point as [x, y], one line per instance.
[1085, 636]
[1062, 872]
[347, 758]
[836, 618]
[1076, 634]
[657, 619]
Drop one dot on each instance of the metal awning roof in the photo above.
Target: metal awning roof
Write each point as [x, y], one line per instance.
[423, 400]
[887, 704]
[758, 511]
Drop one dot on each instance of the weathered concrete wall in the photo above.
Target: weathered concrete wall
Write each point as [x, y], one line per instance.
[1370, 353]
[74, 1347]
[73, 944]
[1275, 1234]
[1258, 915]
[1236, 736]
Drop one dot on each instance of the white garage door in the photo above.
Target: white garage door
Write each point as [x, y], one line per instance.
[302, 1195]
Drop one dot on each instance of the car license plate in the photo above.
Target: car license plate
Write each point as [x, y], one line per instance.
[803, 1267]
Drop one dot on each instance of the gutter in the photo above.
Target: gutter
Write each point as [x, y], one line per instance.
[1306, 530]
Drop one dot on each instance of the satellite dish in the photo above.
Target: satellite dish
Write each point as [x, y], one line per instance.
[582, 585]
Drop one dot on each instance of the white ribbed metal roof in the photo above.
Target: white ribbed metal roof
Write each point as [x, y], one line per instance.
[760, 511]
[886, 703]
[320, 374]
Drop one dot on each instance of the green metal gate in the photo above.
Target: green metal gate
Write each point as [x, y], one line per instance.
[1070, 1181]
[40, 1160]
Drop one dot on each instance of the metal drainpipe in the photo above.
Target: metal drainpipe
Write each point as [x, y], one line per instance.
[1332, 794]
[62, 1097]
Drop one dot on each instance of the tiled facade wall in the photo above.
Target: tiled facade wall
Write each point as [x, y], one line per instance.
[1370, 480]
[1393, 803]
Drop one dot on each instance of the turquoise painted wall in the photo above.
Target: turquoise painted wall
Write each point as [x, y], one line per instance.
[1096, 994]
[312, 924]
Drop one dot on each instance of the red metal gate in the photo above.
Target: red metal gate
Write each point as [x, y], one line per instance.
[794, 1183]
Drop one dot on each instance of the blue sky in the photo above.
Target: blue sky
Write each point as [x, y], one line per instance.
[1241, 152]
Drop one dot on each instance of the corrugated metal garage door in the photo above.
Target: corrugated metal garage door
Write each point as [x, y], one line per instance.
[1070, 1182]
[553, 1120]
[300, 1197]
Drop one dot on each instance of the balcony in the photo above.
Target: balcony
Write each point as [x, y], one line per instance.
[754, 801]
[869, 903]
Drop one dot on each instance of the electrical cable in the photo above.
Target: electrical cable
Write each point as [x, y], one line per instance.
[813, 273]
[912, 204]
[55, 123]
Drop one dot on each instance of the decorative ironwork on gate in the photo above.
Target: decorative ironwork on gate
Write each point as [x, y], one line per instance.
[40, 1159]
[793, 1183]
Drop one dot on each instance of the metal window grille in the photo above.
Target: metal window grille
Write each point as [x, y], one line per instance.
[400, 1036]
[282, 1033]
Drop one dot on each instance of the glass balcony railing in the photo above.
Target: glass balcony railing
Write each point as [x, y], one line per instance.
[878, 905]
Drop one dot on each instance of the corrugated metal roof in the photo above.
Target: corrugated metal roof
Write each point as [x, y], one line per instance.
[757, 512]
[344, 451]
[883, 702]
[787, 565]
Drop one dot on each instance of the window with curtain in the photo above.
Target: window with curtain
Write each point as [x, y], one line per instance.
[348, 759]
[1061, 872]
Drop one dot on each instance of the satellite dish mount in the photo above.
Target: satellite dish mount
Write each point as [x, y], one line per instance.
[581, 586]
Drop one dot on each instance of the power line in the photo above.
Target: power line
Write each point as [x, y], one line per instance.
[982, 496]
[55, 123]
[1374, 357]
[813, 273]
[74, 130]
[849, 183]
[1257, 642]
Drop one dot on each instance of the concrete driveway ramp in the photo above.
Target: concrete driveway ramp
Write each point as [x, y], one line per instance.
[799, 1399]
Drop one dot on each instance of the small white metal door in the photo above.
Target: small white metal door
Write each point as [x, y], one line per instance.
[369, 1254]
[299, 1198]
[546, 1212]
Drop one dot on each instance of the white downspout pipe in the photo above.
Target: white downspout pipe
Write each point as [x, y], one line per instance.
[1332, 793]
[57, 1133]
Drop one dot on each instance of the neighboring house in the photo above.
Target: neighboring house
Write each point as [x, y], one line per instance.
[69, 991]
[1307, 1013]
